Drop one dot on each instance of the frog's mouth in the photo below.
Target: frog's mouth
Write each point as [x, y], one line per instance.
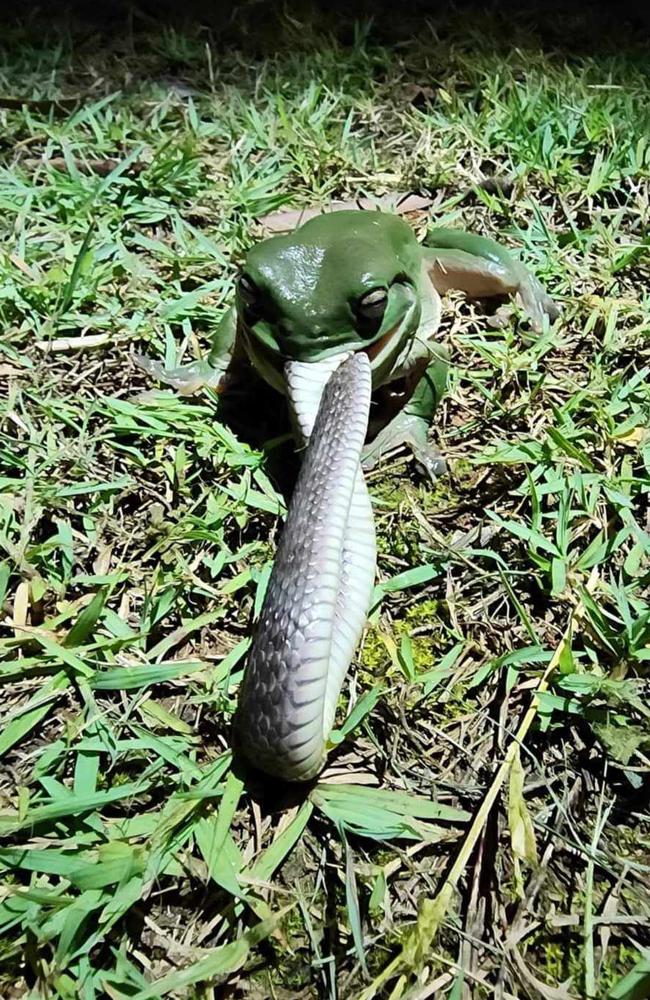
[381, 353]
[269, 349]
[373, 350]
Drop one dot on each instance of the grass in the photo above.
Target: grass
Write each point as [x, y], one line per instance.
[482, 828]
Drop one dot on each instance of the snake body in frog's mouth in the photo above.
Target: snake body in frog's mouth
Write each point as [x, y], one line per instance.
[321, 583]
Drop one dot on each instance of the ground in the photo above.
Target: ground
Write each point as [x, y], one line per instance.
[482, 827]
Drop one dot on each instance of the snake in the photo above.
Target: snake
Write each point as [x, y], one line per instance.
[320, 587]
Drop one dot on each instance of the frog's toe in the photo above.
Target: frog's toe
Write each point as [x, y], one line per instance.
[410, 430]
[378, 451]
[186, 379]
[370, 459]
[148, 365]
[429, 459]
[536, 302]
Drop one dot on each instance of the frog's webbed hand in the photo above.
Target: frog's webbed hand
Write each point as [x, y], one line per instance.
[410, 430]
[186, 379]
[210, 372]
[482, 268]
[411, 425]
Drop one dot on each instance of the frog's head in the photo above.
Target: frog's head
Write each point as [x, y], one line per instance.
[344, 281]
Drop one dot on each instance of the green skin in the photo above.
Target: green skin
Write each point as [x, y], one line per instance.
[299, 300]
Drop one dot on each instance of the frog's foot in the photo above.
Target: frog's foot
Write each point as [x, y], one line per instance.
[534, 299]
[482, 268]
[186, 379]
[411, 430]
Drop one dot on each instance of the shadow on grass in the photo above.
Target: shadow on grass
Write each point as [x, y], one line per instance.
[264, 27]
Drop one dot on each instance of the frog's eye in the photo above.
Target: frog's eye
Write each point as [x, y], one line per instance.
[370, 309]
[248, 290]
[373, 305]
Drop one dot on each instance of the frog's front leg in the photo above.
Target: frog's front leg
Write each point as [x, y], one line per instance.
[411, 425]
[482, 268]
[207, 372]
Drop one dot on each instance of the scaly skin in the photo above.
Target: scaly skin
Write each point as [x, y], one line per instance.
[343, 284]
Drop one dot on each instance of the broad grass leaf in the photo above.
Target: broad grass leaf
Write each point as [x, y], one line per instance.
[352, 902]
[85, 623]
[223, 860]
[402, 581]
[522, 833]
[227, 808]
[416, 949]
[361, 709]
[114, 862]
[221, 961]
[71, 805]
[33, 712]
[635, 985]
[186, 304]
[61, 654]
[269, 860]
[164, 718]
[131, 678]
[383, 815]
[535, 538]
[76, 916]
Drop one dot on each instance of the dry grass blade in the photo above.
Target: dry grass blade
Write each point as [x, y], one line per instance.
[433, 912]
